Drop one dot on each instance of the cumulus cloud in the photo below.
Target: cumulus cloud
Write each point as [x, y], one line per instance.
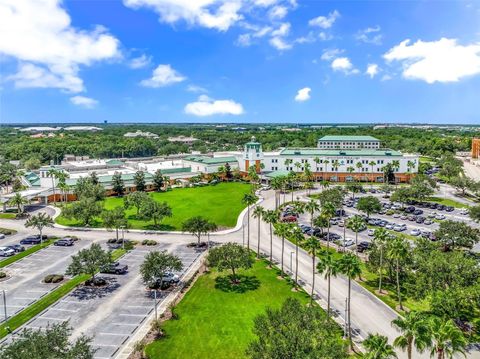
[140, 62]
[280, 44]
[325, 22]
[196, 89]
[50, 51]
[372, 70]
[277, 12]
[370, 35]
[303, 94]
[278, 37]
[206, 106]
[436, 61]
[330, 54]
[83, 101]
[162, 76]
[343, 64]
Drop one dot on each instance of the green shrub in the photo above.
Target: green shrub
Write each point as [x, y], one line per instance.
[57, 278]
[3, 274]
[7, 231]
[48, 278]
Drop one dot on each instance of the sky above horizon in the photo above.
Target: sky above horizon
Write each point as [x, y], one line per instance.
[239, 61]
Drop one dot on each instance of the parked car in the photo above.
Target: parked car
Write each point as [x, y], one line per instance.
[16, 247]
[420, 219]
[114, 268]
[6, 252]
[427, 222]
[289, 218]
[362, 246]
[2, 236]
[415, 232]
[397, 215]
[370, 232]
[399, 228]
[449, 209]
[410, 209]
[31, 240]
[389, 226]
[347, 242]
[64, 242]
[170, 277]
[464, 211]
[440, 217]
[418, 212]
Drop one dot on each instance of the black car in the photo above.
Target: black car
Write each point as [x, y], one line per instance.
[418, 212]
[16, 247]
[363, 246]
[64, 242]
[340, 212]
[410, 209]
[420, 219]
[31, 240]
[441, 207]
[114, 268]
[449, 209]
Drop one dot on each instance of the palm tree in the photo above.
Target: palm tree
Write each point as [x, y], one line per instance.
[62, 186]
[350, 170]
[40, 221]
[328, 211]
[312, 245]
[325, 184]
[446, 338]
[311, 207]
[396, 167]
[249, 199]
[380, 237]
[359, 166]
[270, 217]
[371, 164]
[349, 265]
[317, 161]
[335, 165]
[276, 185]
[291, 179]
[414, 329]
[326, 162]
[287, 163]
[282, 230]
[356, 223]
[297, 165]
[258, 213]
[327, 265]
[18, 200]
[378, 348]
[296, 236]
[53, 173]
[397, 251]
[410, 165]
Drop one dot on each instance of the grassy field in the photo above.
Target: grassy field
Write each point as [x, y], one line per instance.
[214, 323]
[221, 204]
[448, 202]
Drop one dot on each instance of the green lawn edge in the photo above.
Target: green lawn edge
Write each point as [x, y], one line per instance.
[25, 253]
[43, 303]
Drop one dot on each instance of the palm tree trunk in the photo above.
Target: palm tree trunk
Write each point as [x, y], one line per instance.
[53, 190]
[296, 263]
[348, 304]
[258, 240]
[381, 272]
[328, 296]
[116, 233]
[248, 227]
[356, 243]
[398, 287]
[313, 277]
[328, 235]
[283, 250]
[271, 246]
[41, 236]
[409, 349]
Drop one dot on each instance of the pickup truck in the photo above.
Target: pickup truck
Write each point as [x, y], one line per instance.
[114, 268]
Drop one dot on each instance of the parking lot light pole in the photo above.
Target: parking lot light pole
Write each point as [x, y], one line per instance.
[123, 237]
[291, 267]
[155, 305]
[5, 306]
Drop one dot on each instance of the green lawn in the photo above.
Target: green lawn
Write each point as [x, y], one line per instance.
[448, 202]
[7, 215]
[217, 324]
[221, 204]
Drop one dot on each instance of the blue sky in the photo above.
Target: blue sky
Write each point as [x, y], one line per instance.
[239, 61]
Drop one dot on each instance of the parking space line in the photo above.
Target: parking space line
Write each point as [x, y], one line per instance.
[65, 310]
[114, 334]
[51, 318]
[131, 315]
[124, 324]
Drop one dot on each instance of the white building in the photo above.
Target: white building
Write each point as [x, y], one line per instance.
[139, 133]
[348, 142]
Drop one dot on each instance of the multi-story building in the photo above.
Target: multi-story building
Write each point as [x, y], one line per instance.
[476, 148]
[348, 142]
[346, 162]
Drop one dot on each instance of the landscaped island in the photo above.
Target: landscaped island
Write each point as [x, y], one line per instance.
[220, 204]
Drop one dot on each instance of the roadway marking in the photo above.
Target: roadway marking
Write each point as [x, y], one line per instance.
[132, 315]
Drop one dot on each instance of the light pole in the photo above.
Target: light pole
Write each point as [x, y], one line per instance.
[208, 242]
[5, 306]
[291, 267]
[123, 237]
[155, 303]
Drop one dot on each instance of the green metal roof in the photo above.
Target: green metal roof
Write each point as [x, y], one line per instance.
[339, 152]
[348, 138]
[107, 179]
[278, 173]
[33, 179]
[211, 160]
[176, 170]
[115, 163]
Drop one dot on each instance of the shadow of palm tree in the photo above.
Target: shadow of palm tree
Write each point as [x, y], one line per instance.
[244, 283]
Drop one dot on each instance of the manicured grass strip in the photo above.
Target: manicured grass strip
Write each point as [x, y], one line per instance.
[7, 231]
[216, 323]
[7, 215]
[40, 305]
[448, 202]
[25, 253]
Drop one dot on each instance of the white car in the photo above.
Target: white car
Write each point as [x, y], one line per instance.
[440, 217]
[347, 242]
[398, 228]
[415, 232]
[6, 252]
[341, 223]
[2, 236]
[464, 211]
[397, 215]
[389, 226]
[371, 232]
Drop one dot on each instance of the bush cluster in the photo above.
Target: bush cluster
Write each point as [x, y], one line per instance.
[3, 275]
[149, 242]
[53, 278]
[7, 231]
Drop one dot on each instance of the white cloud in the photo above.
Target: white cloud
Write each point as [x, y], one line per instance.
[436, 61]
[303, 94]
[372, 70]
[325, 22]
[212, 14]
[141, 61]
[50, 51]
[330, 54]
[163, 75]
[370, 35]
[83, 101]
[205, 106]
[343, 64]
[306, 39]
[280, 44]
[283, 30]
[277, 12]
[196, 89]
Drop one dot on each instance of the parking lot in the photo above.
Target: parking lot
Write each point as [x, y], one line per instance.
[111, 314]
[25, 284]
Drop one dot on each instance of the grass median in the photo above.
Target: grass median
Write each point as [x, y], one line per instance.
[25, 253]
[43, 303]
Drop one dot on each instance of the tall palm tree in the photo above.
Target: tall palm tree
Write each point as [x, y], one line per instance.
[248, 199]
[350, 170]
[356, 223]
[311, 207]
[40, 221]
[328, 266]
[349, 265]
[287, 163]
[282, 230]
[270, 217]
[53, 173]
[380, 238]
[258, 213]
[326, 162]
[328, 211]
[18, 200]
[446, 338]
[276, 185]
[371, 164]
[414, 329]
[410, 165]
[397, 251]
[297, 165]
[377, 347]
[317, 162]
[62, 186]
[396, 167]
[296, 236]
[312, 245]
[325, 184]
[359, 166]
[335, 165]
[291, 179]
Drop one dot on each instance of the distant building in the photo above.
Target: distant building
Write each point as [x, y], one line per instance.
[183, 139]
[139, 133]
[83, 128]
[40, 129]
[476, 148]
[347, 142]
